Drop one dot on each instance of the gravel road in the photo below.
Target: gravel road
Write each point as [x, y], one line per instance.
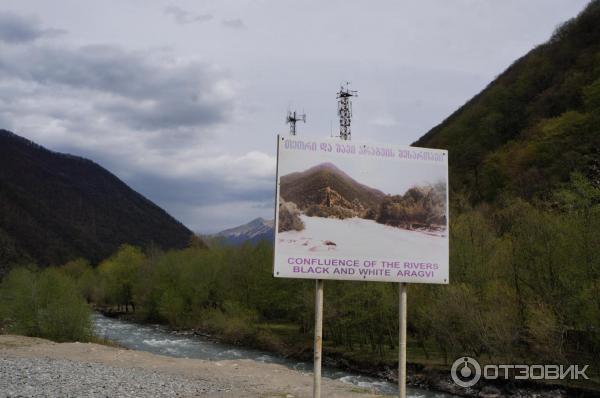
[31, 367]
[44, 377]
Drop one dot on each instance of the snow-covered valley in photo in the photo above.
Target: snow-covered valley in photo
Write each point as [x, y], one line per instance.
[361, 238]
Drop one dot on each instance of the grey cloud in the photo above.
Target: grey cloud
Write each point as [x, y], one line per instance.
[184, 17]
[209, 190]
[236, 23]
[5, 123]
[16, 29]
[268, 204]
[130, 87]
[176, 113]
[184, 198]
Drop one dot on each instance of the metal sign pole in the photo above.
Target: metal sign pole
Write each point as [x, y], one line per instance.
[292, 118]
[318, 337]
[402, 345]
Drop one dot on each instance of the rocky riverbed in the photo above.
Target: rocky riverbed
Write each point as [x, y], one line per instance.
[46, 377]
[31, 367]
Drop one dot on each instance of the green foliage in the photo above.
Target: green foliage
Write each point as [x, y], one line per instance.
[10, 253]
[544, 332]
[44, 304]
[591, 95]
[535, 124]
[234, 322]
[119, 273]
[525, 171]
[85, 278]
[178, 286]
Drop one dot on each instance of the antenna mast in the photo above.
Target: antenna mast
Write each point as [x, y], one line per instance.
[345, 110]
[292, 118]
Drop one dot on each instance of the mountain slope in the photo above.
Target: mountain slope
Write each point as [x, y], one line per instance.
[535, 124]
[55, 207]
[255, 231]
[325, 182]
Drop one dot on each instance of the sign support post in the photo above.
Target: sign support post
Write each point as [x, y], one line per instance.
[341, 214]
[318, 338]
[402, 344]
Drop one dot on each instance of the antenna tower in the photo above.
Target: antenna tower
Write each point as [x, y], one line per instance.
[292, 118]
[345, 110]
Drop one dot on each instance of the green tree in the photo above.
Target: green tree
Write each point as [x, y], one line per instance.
[45, 304]
[120, 272]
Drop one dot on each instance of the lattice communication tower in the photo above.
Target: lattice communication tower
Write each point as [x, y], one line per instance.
[292, 118]
[345, 110]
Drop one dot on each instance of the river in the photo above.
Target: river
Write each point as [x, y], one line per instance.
[159, 339]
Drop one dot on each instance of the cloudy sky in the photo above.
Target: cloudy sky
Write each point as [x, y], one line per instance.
[182, 99]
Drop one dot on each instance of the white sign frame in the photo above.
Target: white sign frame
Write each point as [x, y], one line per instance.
[430, 265]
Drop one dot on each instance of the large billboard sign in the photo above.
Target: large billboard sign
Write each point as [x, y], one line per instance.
[360, 211]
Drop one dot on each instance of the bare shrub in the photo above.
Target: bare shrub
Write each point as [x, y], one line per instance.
[330, 212]
[289, 217]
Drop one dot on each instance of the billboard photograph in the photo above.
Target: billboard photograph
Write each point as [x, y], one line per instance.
[358, 211]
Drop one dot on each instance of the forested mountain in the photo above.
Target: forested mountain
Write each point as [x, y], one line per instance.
[535, 124]
[55, 207]
[525, 197]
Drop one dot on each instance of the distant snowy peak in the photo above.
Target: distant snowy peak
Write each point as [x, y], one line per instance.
[254, 231]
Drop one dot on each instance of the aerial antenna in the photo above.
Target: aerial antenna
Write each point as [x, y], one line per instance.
[345, 110]
[292, 118]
